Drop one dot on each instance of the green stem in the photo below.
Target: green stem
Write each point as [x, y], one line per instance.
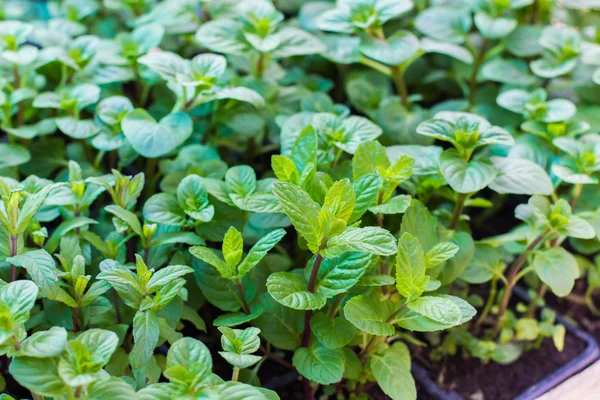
[400, 85]
[575, 194]
[476, 66]
[312, 283]
[365, 351]
[534, 302]
[37, 396]
[151, 166]
[13, 252]
[17, 85]
[589, 301]
[458, 208]
[242, 295]
[336, 303]
[236, 374]
[490, 302]
[512, 279]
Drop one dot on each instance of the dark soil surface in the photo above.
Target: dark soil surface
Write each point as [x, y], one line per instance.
[476, 381]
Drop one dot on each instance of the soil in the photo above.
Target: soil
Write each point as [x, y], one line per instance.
[476, 381]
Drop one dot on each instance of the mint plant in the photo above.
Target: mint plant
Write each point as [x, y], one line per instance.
[312, 187]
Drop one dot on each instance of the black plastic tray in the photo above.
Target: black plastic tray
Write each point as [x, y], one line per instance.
[581, 361]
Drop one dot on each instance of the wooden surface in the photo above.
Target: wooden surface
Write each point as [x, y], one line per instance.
[583, 386]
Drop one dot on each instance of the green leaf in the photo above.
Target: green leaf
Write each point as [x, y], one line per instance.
[239, 318]
[463, 176]
[280, 325]
[259, 250]
[45, 344]
[146, 332]
[284, 169]
[332, 333]
[110, 388]
[188, 362]
[233, 247]
[339, 275]
[418, 222]
[238, 346]
[12, 155]
[166, 275]
[193, 198]
[163, 208]
[302, 212]
[557, 268]
[42, 270]
[395, 205]
[20, 297]
[40, 376]
[291, 290]
[64, 228]
[455, 51]
[127, 216]
[319, 364]
[392, 373]
[366, 190]
[456, 265]
[371, 239]
[494, 28]
[444, 24]
[32, 205]
[439, 253]
[520, 176]
[394, 50]
[369, 315]
[411, 280]
[153, 139]
[510, 72]
[100, 343]
[486, 261]
[434, 313]
[210, 257]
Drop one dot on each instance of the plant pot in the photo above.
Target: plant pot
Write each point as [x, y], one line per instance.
[590, 353]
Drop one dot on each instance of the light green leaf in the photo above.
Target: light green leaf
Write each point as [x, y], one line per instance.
[557, 268]
[259, 250]
[520, 176]
[127, 216]
[146, 332]
[154, 139]
[12, 155]
[369, 315]
[339, 275]
[291, 290]
[411, 280]
[463, 176]
[42, 270]
[166, 275]
[44, 344]
[40, 376]
[394, 50]
[302, 212]
[210, 257]
[371, 239]
[393, 374]
[395, 205]
[20, 297]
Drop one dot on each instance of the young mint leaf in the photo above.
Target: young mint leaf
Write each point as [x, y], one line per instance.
[319, 364]
[291, 290]
[302, 212]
